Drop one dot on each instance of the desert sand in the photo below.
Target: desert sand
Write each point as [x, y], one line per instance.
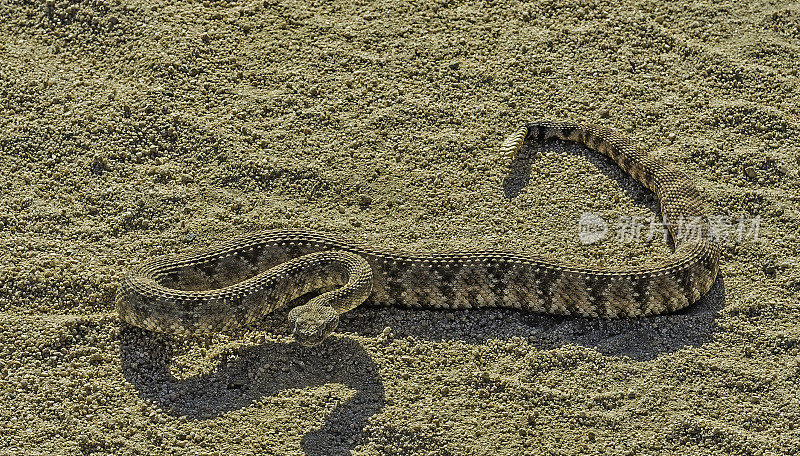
[130, 129]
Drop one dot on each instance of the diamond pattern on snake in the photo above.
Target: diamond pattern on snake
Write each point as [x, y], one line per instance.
[239, 281]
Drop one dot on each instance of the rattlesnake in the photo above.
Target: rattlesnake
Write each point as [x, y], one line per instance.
[243, 279]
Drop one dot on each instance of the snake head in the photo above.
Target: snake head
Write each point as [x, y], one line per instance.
[312, 323]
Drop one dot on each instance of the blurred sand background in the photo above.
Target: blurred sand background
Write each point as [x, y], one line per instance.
[130, 129]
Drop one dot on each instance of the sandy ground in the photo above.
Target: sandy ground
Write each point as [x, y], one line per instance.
[130, 129]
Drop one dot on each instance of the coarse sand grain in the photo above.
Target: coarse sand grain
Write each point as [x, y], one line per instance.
[133, 128]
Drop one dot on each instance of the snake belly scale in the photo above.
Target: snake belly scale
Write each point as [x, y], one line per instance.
[241, 280]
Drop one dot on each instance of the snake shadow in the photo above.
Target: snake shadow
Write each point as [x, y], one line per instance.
[257, 372]
[640, 338]
[519, 173]
[252, 373]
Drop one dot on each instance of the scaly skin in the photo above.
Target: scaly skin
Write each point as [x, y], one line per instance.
[255, 274]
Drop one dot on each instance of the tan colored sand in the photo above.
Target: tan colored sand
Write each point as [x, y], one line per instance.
[130, 129]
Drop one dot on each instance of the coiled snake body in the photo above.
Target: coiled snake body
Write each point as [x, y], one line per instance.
[241, 280]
